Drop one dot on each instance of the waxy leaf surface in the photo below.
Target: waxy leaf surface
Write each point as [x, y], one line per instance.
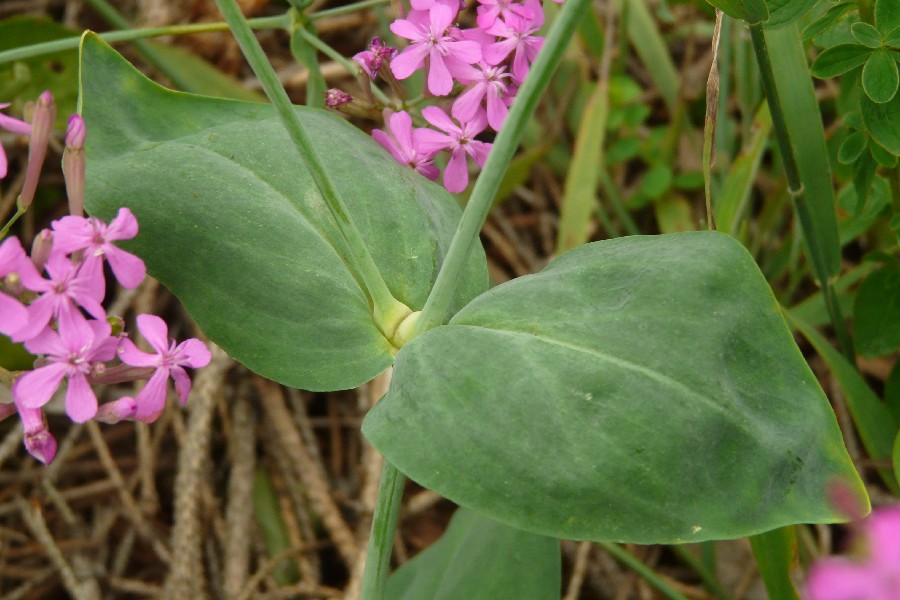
[644, 389]
[232, 223]
[478, 558]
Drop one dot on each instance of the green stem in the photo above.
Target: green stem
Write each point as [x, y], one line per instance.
[12, 221]
[388, 312]
[437, 306]
[795, 187]
[384, 525]
[129, 35]
[867, 11]
[632, 562]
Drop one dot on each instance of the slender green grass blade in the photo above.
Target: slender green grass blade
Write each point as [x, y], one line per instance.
[775, 553]
[651, 48]
[807, 135]
[874, 422]
[271, 526]
[584, 173]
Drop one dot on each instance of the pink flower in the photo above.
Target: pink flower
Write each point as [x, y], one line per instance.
[96, 238]
[39, 442]
[404, 143]
[490, 10]
[875, 578]
[459, 140]
[70, 354]
[169, 361]
[486, 86]
[13, 126]
[518, 39]
[69, 286]
[431, 39]
[371, 59]
[13, 260]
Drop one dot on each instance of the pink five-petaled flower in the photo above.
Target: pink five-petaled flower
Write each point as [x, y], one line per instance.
[519, 38]
[459, 140]
[13, 126]
[13, 261]
[486, 83]
[96, 238]
[490, 10]
[404, 143]
[71, 354]
[69, 286]
[431, 39]
[371, 59]
[876, 578]
[169, 361]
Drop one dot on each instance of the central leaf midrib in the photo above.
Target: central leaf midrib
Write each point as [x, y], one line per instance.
[621, 362]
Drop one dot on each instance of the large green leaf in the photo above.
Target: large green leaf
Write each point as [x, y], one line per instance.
[752, 11]
[480, 559]
[644, 389]
[231, 222]
[876, 313]
[785, 12]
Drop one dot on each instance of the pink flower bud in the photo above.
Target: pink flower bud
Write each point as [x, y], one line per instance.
[41, 128]
[120, 410]
[39, 442]
[74, 164]
[335, 97]
[75, 132]
[41, 248]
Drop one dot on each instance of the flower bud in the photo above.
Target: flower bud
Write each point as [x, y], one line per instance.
[41, 128]
[39, 442]
[347, 104]
[40, 249]
[74, 165]
[120, 410]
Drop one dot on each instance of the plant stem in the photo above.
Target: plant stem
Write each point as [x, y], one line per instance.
[384, 525]
[12, 220]
[632, 562]
[795, 188]
[437, 306]
[129, 35]
[387, 310]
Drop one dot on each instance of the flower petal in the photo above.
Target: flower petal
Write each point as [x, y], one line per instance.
[193, 353]
[182, 383]
[132, 355]
[35, 388]
[152, 399]
[81, 403]
[155, 331]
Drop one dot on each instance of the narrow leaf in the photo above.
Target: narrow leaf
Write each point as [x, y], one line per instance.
[840, 59]
[785, 12]
[866, 35]
[876, 313]
[776, 556]
[883, 121]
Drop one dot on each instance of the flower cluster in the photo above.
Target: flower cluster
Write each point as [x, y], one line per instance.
[52, 302]
[485, 64]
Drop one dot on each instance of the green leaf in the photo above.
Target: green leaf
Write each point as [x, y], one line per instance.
[852, 147]
[887, 15]
[840, 59]
[643, 389]
[827, 20]
[197, 76]
[785, 12]
[895, 456]
[480, 559]
[231, 222]
[892, 393]
[776, 556]
[882, 121]
[873, 420]
[880, 78]
[751, 11]
[24, 80]
[876, 313]
[882, 156]
[892, 39]
[866, 35]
